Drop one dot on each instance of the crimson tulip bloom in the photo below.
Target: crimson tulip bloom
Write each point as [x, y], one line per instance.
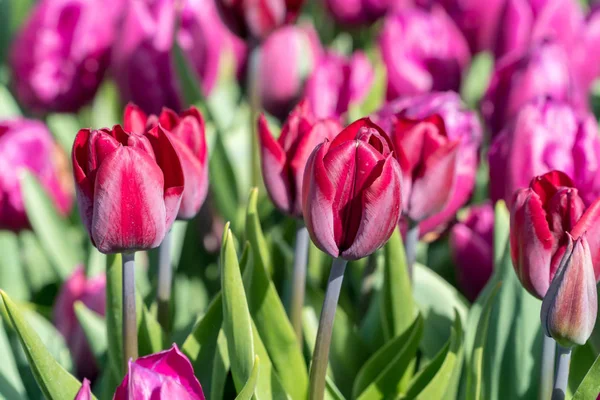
[129, 187]
[351, 194]
[187, 133]
[543, 217]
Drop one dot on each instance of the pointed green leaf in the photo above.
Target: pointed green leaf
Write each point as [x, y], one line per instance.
[11, 270]
[477, 78]
[94, 328]
[64, 128]
[151, 337]
[248, 390]
[220, 367]
[11, 385]
[269, 385]
[224, 182]
[55, 382]
[589, 388]
[190, 86]
[254, 234]
[8, 106]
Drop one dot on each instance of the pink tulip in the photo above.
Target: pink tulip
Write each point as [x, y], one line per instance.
[92, 293]
[543, 218]
[351, 194]
[160, 376]
[354, 12]
[85, 393]
[284, 159]
[129, 187]
[28, 145]
[187, 133]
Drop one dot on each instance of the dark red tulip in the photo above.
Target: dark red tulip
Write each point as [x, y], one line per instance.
[351, 195]
[284, 159]
[187, 133]
[129, 187]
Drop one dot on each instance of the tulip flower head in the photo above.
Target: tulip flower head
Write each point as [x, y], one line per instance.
[570, 306]
[85, 393]
[351, 194]
[543, 218]
[187, 133]
[352, 12]
[284, 159]
[160, 376]
[129, 187]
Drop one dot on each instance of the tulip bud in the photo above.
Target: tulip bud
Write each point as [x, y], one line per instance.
[545, 134]
[187, 133]
[92, 293]
[28, 145]
[353, 12]
[129, 187]
[85, 393]
[351, 194]
[62, 52]
[338, 82]
[570, 306]
[160, 376]
[541, 218]
[472, 246]
[284, 159]
[281, 84]
[423, 51]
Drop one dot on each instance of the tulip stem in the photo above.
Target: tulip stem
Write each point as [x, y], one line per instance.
[547, 372]
[562, 372]
[299, 280]
[165, 276]
[410, 245]
[130, 340]
[320, 359]
[254, 97]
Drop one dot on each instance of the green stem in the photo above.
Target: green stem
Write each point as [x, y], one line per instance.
[410, 245]
[562, 373]
[320, 359]
[299, 279]
[547, 372]
[254, 97]
[165, 277]
[130, 343]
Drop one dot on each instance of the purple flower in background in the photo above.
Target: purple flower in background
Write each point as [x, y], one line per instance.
[363, 11]
[546, 135]
[423, 51]
[460, 124]
[472, 246]
[61, 53]
[585, 57]
[160, 376]
[92, 293]
[337, 82]
[27, 144]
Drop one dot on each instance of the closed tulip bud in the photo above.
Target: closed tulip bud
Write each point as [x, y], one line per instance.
[423, 51]
[160, 376]
[92, 293]
[60, 55]
[85, 393]
[129, 187]
[28, 145]
[352, 12]
[284, 159]
[542, 218]
[351, 194]
[281, 84]
[570, 306]
[545, 135]
[338, 82]
[187, 133]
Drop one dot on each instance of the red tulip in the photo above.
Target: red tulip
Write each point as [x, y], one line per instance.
[284, 159]
[428, 159]
[187, 133]
[129, 187]
[543, 217]
[351, 195]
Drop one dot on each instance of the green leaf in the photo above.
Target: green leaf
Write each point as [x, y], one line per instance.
[151, 337]
[8, 105]
[590, 386]
[55, 382]
[11, 385]
[221, 365]
[5, 33]
[382, 374]
[224, 184]
[398, 309]
[477, 78]
[269, 314]
[49, 226]
[376, 96]
[114, 310]
[37, 269]
[106, 108]
[64, 127]
[11, 270]
[190, 87]
[94, 328]
[248, 390]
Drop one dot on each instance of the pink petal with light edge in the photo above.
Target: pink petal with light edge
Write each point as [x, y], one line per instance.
[351, 131]
[129, 210]
[196, 181]
[135, 119]
[85, 393]
[590, 223]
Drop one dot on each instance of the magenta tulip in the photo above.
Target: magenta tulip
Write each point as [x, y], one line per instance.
[187, 133]
[542, 218]
[28, 145]
[129, 187]
[62, 52]
[570, 306]
[351, 194]
[284, 159]
[85, 393]
[352, 12]
[585, 60]
[472, 246]
[338, 82]
[160, 376]
[423, 51]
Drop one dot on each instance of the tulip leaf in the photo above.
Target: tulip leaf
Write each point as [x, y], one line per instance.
[36, 266]
[269, 385]
[55, 382]
[191, 91]
[94, 328]
[49, 226]
[11, 271]
[64, 128]
[269, 314]
[220, 367]
[151, 337]
[248, 390]
[589, 388]
[5, 34]
[11, 385]
[398, 309]
[477, 78]
[8, 105]
[224, 183]
[382, 374]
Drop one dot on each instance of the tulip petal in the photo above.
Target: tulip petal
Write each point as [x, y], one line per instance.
[196, 180]
[85, 393]
[134, 119]
[168, 118]
[83, 182]
[590, 223]
[352, 131]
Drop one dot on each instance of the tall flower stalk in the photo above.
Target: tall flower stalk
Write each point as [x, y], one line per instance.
[165, 278]
[130, 337]
[299, 279]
